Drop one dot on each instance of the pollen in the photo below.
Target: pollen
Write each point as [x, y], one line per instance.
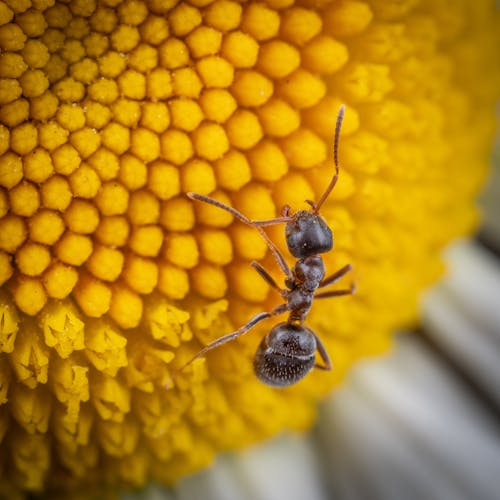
[106, 263]
[59, 280]
[176, 214]
[73, 248]
[111, 277]
[92, 296]
[46, 226]
[28, 294]
[32, 259]
[251, 88]
[24, 199]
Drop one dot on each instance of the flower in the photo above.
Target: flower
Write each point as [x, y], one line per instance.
[112, 278]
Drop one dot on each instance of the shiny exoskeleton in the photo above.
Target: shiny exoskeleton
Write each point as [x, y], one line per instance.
[288, 352]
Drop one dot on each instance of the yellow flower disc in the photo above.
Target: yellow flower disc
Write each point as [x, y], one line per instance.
[111, 277]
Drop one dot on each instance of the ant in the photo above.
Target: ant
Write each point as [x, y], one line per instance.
[287, 353]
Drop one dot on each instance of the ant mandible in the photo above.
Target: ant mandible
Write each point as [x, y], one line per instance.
[287, 353]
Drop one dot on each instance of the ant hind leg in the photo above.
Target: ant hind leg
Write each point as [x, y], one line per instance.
[324, 355]
[228, 338]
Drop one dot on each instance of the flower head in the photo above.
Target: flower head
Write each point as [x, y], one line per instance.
[111, 278]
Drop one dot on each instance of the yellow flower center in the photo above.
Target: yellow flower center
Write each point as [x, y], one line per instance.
[111, 278]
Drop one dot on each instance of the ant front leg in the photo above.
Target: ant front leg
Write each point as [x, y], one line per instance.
[256, 224]
[266, 276]
[286, 217]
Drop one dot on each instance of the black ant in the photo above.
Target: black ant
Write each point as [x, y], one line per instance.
[287, 353]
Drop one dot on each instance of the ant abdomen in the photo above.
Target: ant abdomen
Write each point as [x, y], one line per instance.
[309, 271]
[285, 355]
[308, 234]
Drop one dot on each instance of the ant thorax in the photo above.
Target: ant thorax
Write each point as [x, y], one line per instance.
[308, 234]
[308, 274]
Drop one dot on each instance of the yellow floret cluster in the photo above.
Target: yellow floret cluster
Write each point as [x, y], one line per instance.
[111, 278]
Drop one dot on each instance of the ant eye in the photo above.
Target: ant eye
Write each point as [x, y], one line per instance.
[308, 234]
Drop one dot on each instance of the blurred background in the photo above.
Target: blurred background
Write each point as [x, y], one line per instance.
[422, 422]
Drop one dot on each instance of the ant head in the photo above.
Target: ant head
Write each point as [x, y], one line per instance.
[285, 355]
[308, 234]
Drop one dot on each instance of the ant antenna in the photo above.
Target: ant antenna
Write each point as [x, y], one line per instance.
[328, 190]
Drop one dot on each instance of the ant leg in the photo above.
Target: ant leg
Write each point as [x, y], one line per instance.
[267, 277]
[336, 293]
[257, 224]
[277, 254]
[238, 214]
[330, 280]
[227, 338]
[324, 355]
